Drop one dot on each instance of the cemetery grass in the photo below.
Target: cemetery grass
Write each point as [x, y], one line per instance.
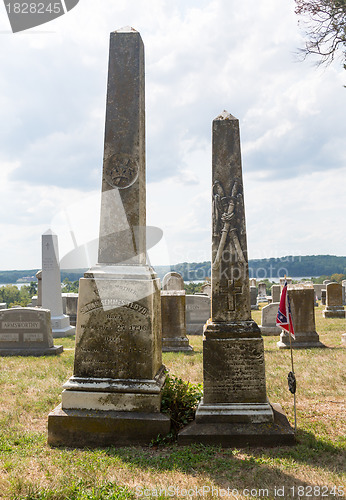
[30, 469]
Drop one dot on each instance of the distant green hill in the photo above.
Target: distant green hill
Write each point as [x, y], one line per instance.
[309, 265]
[13, 276]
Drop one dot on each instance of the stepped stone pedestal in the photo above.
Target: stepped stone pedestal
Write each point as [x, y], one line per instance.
[234, 405]
[114, 395]
[302, 299]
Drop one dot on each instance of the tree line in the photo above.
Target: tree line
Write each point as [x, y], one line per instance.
[272, 268]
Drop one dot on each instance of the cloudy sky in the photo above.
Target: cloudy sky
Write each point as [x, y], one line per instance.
[202, 56]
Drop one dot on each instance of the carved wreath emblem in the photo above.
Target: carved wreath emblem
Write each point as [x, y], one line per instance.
[120, 170]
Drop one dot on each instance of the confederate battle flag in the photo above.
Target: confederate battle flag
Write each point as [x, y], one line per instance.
[284, 317]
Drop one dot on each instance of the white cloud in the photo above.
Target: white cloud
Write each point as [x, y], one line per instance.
[201, 57]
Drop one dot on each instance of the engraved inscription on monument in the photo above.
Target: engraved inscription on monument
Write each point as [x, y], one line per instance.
[242, 368]
[24, 325]
[119, 345]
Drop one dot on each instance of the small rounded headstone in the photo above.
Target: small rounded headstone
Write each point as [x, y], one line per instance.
[173, 281]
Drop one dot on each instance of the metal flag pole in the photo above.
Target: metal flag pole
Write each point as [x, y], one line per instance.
[292, 385]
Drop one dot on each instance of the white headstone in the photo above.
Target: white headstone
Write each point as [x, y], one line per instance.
[269, 314]
[198, 311]
[51, 286]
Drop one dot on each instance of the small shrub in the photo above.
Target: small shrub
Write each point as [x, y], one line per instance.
[179, 400]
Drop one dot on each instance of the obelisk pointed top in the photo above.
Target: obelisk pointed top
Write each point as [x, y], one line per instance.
[126, 29]
[49, 232]
[123, 180]
[225, 115]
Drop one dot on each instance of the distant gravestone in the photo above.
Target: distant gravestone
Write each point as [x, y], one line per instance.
[283, 280]
[269, 314]
[197, 313]
[206, 289]
[253, 282]
[253, 298]
[343, 339]
[276, 292]
[334, 307]
[3, 305]
[318, 287]
[26, 331]
[344, 290]
[173, 281]
[302, 298]
[326, 282]
[173, 317]
[39, 288]
[51, 286]
[262, 293]
[69, 305]
[323, 297]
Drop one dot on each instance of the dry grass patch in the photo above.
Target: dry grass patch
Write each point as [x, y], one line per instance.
[29, 469]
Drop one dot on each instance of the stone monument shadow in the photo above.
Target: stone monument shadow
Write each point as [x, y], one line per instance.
[197, 459]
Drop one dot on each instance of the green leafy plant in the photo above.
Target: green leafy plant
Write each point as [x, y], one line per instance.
[179, 400]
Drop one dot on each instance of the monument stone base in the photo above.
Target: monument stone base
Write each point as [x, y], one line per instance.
[48, 351]
[270, 330]
[234, 375]
[228, 435]
[221, 413]
[61, 327]
[176, 344]
[304, 340]
[92, 428]
[114, 396]
[333, 312]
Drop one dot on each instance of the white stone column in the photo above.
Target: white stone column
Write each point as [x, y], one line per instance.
[51, 286]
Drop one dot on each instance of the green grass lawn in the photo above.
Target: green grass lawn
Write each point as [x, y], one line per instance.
[30, 469]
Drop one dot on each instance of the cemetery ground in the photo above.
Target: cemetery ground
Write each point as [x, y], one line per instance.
[313, 468]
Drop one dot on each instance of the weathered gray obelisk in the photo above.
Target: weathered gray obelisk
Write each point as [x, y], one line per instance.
[234, 409]
[114, 395]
